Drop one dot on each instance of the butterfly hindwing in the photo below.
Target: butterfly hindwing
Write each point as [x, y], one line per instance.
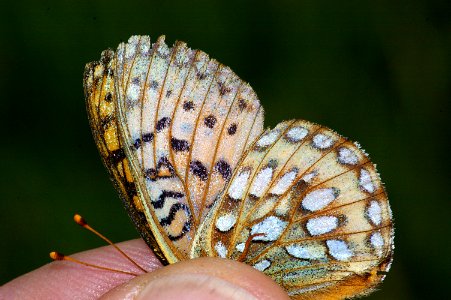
[307, 207]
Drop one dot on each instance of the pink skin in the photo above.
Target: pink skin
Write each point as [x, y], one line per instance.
[205, 278]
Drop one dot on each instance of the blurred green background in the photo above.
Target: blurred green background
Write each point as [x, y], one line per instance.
[377, 72]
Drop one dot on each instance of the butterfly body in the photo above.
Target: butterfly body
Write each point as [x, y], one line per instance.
[182, 137]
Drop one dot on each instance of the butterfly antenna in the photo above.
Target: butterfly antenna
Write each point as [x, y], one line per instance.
[82, 222]
[60, 256]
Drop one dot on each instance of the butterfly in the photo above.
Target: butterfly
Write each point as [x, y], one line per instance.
[183, 139]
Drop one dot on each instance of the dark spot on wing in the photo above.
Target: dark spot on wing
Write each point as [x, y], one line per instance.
[242, 104]
[188, 105]
[130, 188]
[116, 156]
[163, 123]
[137, 144]
[198, 169]
[108, 97]
[272, 163]
[210, 121]
[200, 75]
[154, 84]
[150, 174]
[232, 129]
[148, 137]
[179, 145]
[224, 169]
[223, 89]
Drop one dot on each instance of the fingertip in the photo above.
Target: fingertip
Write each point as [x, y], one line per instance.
[202, 278]
[68, 280]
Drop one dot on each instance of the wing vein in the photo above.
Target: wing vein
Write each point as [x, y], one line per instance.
[219, 66]
[218, 142]
[238, 228]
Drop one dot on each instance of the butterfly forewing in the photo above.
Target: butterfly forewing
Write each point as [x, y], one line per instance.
[306, 207]
[179, 111]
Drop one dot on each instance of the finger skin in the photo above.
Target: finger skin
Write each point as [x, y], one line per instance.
[204, 278]
[66, 280]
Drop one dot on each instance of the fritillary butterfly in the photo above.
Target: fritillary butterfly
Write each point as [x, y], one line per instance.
[183, 140]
